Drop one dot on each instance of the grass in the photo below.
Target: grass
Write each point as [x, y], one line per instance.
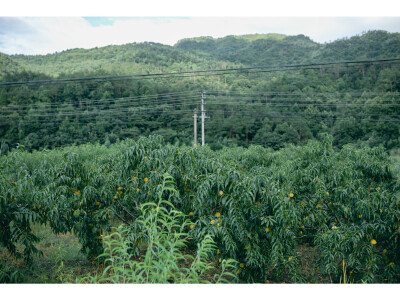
[395, 159]
[61, 261]
[309, 269]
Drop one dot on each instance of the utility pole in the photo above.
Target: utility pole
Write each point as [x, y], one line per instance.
[203, 116]
[195, 128]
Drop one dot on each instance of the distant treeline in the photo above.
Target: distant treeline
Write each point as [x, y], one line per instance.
[356, 103]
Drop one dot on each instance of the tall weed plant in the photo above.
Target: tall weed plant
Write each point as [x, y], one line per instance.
[164, 238]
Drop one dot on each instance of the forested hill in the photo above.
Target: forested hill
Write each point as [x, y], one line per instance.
[203, 53]
[274, 49]
[8, 65]
[255, 49]
[356, 103]
[124, 59]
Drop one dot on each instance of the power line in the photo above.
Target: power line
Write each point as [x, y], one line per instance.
[271, 94]
[305, 104]
[93, 102]
[250, 100]
[188, 101]
[107, 114]
[183, 102]
[140, 109]
[184, 96]
[77, 87]
[218, 71]
[123, 105]
[227, 113]
[138, 98]
[126, 104]
[135, 110]
[296, 93]
[328, 114]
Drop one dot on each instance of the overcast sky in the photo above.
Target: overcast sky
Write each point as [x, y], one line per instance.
[42, 35]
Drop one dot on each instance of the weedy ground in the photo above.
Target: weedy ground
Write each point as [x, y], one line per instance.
[395, 159]
[62, 261]
[308, 264]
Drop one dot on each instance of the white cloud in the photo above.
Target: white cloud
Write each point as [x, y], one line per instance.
[43, 35]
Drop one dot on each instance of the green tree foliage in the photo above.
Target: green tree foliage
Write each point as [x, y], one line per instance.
[354, 103]
[161, 229]
[258, 206]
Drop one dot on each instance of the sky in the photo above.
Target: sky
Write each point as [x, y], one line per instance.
[42, 33]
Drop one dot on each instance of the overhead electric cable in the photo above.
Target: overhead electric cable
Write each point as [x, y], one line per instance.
[171, 74]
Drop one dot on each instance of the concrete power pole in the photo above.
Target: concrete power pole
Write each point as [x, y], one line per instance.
[203, 116]
[195, 128]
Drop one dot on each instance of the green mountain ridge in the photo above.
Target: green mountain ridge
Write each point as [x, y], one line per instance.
[123, 59]
[204, 53]
[246, 37]
[8, 65]
[356, 104]
[295, 49]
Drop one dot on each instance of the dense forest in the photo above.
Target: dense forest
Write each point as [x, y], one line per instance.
[269, 90]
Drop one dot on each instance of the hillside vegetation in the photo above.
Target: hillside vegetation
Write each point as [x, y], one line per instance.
[8, 65]
[355, 103]
[124, 59]
[276, 49]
